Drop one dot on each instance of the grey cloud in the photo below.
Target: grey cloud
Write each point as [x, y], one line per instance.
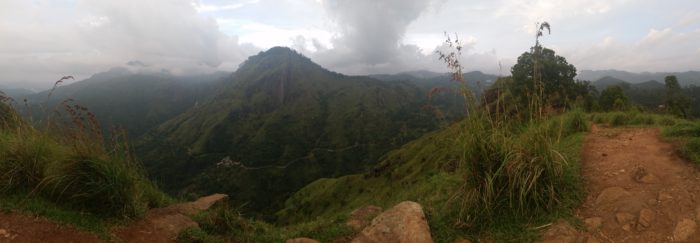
[42, 41]
[370, 39]
[370, 32]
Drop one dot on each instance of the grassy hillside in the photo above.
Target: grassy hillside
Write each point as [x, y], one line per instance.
[473, 179]
[281, 122]
[68, 174]
[136, 102]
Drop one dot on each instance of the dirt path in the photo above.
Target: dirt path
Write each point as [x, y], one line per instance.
[638, 190]
[161, 225]
[22, 228]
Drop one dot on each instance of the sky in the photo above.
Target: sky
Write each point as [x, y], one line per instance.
[43, 40]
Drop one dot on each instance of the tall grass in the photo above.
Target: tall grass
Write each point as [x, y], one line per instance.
[516, 169]
[70, 164]
[687, 135]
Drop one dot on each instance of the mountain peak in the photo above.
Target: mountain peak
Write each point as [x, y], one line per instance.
[278, 59]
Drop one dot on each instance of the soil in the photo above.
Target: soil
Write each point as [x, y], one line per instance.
[23, 228]
[638, 190]
[160, 225]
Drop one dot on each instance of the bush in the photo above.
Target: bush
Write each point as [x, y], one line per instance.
[71, 166]
[25, 159]
[518, 173]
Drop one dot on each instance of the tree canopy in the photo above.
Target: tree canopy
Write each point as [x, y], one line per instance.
[676, 102]
[559, 88]
[613, 98]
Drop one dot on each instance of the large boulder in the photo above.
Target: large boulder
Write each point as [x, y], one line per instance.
[404, 223]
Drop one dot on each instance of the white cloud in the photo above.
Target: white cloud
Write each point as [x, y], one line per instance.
[659, 50]
[41, 42]
[532, 11]
[224, 7]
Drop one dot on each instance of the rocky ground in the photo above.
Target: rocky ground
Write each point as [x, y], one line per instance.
[639, 190]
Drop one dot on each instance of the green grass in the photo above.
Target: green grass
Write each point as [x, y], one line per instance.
[686, 135]
[68, 174]
[38, 206]
[224, 223]
[635, 118]
[474, 180]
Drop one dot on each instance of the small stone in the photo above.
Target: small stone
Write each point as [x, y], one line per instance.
[593, 223]
[592, 239]
[646, 216]
[642, 176]
[604, 154]
[652, 202]
[624, 218]
[684, 230]
[611, 194]
[302, 240]
[663, 196]
[627, 227]
[560, 232]
[622, 171]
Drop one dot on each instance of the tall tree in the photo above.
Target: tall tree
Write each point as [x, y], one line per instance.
[613, 98]
[676, 102]
[558, 86]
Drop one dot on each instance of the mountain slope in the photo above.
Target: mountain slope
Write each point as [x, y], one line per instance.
[685, 78]
[137, 102]
[281, 122]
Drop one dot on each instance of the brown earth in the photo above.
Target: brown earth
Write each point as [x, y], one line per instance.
[161, 225]
[638, 190]
[23, 228]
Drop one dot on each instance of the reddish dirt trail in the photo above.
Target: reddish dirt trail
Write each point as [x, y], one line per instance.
[22, 228]
[160, 225]
[638, 190]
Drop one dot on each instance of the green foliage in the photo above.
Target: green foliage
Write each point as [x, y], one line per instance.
[613, 98]
[38, 206]
[687, 135]
[227, 223]
[559, 89]
[634, 119]
[676, 102]
[283, 122]
[71, 167]
[197, 235]
[119, 98]
[472, 178]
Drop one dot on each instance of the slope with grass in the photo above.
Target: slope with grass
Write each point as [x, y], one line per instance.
[474, 179]
[72, 167]
[281, 122]
[122, 98]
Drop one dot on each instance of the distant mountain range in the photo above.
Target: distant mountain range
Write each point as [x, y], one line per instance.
[134, 101]
[684, 78]
[281, 122]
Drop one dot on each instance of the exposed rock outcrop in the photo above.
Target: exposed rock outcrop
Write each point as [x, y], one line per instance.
[404, 223]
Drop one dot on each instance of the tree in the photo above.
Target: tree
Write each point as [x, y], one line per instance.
[613, 98]
[676, 102]
[558, 86]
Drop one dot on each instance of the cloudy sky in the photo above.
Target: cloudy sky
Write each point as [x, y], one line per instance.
[42, 40]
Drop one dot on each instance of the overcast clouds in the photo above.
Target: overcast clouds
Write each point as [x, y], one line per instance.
[41, 40]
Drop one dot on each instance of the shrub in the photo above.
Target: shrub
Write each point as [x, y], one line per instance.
[72, 166]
